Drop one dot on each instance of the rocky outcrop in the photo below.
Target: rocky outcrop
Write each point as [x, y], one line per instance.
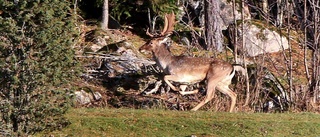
[262, 40]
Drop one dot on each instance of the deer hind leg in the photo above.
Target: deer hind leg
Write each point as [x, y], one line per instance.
[214, 76]
[222, 87]
[209, 96]
[212, 81]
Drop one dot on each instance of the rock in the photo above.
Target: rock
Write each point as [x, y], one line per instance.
[262, 40]
[83, 97]
[126, 61]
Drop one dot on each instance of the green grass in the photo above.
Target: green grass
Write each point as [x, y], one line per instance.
[132, 122]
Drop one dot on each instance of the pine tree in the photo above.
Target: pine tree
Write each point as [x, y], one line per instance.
[36, 63]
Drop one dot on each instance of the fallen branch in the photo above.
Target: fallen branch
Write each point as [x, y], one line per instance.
[155, 89]
[126, 62]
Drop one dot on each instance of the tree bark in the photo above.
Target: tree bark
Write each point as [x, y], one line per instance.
[280, 10]
[105, 15]
[265, 7]
[213, 31]
[315, 59]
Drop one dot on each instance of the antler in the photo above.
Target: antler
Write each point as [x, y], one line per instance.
[168, 24]
[149, 34]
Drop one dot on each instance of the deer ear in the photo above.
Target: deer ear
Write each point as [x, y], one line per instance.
[163, 40]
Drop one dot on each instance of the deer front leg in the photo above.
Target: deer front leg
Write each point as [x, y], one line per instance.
[182, 87]
[184, 92]
[172, 78]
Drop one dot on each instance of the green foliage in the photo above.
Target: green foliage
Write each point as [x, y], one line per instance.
[36, 62]
[123, 9]
[161, 7]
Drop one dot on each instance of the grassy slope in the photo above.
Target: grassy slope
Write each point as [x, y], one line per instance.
[132, 122]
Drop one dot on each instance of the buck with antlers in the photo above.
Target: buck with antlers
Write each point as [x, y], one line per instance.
[183, 69]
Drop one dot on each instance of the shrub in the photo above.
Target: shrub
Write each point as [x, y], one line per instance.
[36, 63]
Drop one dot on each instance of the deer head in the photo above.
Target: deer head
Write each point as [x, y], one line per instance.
[162, 38]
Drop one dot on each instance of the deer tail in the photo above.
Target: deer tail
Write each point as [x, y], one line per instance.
[237, 67]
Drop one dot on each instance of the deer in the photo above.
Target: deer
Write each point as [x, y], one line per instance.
[190, 70]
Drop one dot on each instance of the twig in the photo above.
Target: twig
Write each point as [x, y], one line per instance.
[155, 89]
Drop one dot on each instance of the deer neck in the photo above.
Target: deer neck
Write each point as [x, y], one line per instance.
[162, 56]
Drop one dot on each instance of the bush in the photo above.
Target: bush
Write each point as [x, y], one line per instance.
[36, 63]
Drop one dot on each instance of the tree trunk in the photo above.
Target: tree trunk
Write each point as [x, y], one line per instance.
[265, 6]
[105, 15]
[213, 31]
[315, 59]
[280, 10]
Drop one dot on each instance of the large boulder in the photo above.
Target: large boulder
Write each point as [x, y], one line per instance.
[262, 40]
